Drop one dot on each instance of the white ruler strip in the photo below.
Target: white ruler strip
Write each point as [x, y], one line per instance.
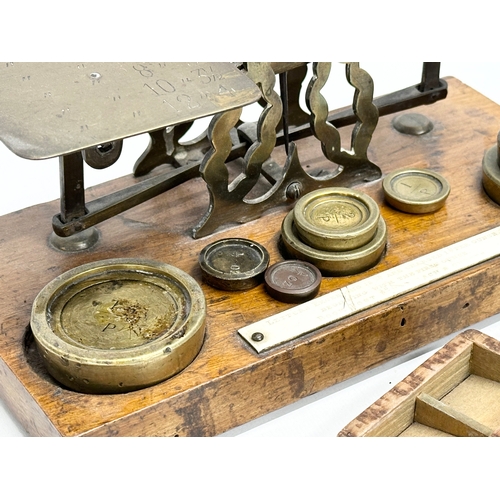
[325, 310]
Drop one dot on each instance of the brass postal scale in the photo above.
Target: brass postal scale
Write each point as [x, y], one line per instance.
[237, 272]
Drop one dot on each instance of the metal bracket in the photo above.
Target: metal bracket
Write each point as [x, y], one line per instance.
[76, 215]
[231, 202]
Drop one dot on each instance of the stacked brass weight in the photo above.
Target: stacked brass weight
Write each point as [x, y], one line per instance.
[339, 230]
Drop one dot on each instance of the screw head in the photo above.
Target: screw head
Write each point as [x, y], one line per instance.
[293, 191]
[257, 337]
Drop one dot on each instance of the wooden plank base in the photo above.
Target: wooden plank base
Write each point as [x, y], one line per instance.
[228, 384]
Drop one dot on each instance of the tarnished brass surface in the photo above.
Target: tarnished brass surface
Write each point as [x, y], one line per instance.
[118, 325]
[416, 191]
[333, 263]
[234, 263]
[363, 107]
[491, 171]
[82, 111]
[165, 148]
[227, 197]
[77, 242]
[52, 109]
[336, 219]
[86, 109]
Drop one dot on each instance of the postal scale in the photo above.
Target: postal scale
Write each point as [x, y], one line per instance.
[235, 273]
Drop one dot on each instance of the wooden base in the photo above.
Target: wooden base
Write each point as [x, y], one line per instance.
[228, 384]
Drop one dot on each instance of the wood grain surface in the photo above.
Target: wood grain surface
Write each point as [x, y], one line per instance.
[228, 384]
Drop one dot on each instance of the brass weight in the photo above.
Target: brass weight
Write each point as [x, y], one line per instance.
[415, 190]
[336, 219]
[118, 325]
[339, 230]
[491, 171]
[333, 263]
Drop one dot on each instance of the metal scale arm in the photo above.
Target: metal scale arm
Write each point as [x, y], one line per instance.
[81, 112]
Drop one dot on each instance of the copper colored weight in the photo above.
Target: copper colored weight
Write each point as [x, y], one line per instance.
[293, 281]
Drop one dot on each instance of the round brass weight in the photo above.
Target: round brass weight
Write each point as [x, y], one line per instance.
[118, 325]
[233, 264]
[336, 219]
[334, 263]
[415, 190]
[491, 172]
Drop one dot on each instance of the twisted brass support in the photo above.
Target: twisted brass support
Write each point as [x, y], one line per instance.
[364, 110]
[288, 181]
[230, 202]
[224, 196]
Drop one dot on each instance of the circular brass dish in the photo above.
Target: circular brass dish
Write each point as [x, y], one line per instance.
[118, 325]
[293, 281]
[336, 219]
[416, 191]
[334, 263]
[234, 264]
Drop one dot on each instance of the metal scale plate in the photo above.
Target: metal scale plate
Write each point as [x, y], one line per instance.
[52, 109]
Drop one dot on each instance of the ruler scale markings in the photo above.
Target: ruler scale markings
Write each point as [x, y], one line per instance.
[376, 289]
